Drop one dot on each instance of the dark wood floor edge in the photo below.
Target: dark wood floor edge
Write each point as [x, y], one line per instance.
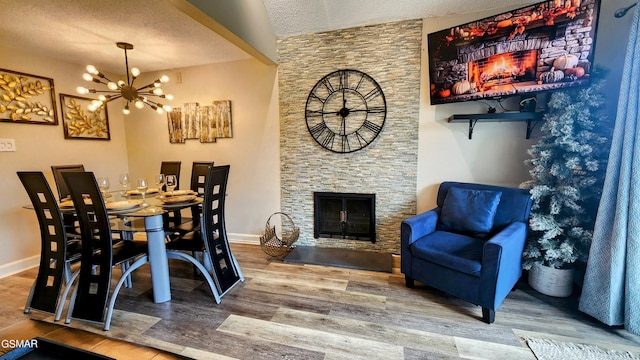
[135, 340]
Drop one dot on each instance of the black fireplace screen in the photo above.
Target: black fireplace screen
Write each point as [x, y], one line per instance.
[344, 215]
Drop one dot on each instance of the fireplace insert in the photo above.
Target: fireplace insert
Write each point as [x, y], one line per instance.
[344, 215]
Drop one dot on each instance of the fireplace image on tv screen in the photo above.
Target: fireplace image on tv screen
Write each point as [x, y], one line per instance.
[541, 47]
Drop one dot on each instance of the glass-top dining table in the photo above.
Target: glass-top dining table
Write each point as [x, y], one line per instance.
[135, 214]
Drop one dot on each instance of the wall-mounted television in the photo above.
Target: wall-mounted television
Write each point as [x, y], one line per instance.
[545, 46]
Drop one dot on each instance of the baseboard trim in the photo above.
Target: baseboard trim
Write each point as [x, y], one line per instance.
[247, 239]
[19, 266]
[33, 261]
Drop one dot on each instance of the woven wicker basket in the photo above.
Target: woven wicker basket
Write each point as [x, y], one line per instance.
[550, 281]
[279, 246]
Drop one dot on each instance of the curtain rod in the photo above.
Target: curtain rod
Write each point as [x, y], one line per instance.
[623, 11]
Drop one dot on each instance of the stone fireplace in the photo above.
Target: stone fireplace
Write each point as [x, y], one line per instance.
[389, 53]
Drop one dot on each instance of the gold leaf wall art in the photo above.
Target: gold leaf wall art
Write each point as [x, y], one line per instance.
[26, 98]
[81, 123]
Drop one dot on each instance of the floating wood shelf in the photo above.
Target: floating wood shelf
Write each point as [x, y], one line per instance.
[532, 119]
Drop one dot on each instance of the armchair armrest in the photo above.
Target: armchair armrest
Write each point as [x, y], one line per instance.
[418, 226]
[502, 263]
[413, 229]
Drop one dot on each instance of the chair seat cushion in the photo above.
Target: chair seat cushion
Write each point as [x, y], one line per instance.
[468, 211]
[458, 252]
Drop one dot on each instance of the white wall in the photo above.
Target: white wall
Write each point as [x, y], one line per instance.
[496, 153]
[253, 152]
[39, 147]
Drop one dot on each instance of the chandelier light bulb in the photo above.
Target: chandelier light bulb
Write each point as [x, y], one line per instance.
[159, 110]
[164, 78]
[94, 105]
[126, 110]
[139, 104]
[102, 98]
[135, 72]
[92, 70]
[121, 83]
[157, 91]
[87, 76]
[157, 83]
[169, 97]
[167, 108]
[82, 90]
[112, 86]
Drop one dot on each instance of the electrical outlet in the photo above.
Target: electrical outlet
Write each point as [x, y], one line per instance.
[7, 145]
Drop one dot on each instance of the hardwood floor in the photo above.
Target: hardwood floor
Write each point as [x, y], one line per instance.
[295, 311]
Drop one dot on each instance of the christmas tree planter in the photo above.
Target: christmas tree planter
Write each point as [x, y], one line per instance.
[567, 170]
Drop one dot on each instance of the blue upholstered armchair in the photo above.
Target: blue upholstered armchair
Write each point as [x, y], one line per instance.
[470, 245]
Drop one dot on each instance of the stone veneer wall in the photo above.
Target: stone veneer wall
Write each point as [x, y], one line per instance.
[390, 53]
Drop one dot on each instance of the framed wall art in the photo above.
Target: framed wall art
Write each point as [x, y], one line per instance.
[81, 123]
[222, 117]
[26, 98]
[190, 123]
[193, 121]
[174, 121]
[208, 126]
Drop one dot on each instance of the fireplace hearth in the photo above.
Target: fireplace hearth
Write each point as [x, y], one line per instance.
[344, 215]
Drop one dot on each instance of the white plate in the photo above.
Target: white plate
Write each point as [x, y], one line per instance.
[123, 205]
[137, 192]
[178, 193]
[178, 199]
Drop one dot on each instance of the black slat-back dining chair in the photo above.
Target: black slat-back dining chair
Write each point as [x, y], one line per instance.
[199, 172]
[56, 254]
[70, 220]
[99, 253]
[171, 218]
[225, 266]
[171, 168]
[217, 257]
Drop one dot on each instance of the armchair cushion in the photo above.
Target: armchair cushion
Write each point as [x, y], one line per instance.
[469, 211]
[454, 251]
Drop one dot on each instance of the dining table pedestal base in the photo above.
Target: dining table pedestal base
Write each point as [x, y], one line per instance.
[158, 261]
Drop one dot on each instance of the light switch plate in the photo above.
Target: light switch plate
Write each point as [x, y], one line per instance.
[7, 145]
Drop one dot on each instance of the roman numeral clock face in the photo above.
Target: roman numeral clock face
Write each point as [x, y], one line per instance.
[345, 111]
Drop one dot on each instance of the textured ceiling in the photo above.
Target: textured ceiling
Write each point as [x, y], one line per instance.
[85, 31]
[293, 17]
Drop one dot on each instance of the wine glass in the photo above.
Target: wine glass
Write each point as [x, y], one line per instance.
[142, 186]
[159, 181]
[171, 182]
[103, 184]
[124, 181]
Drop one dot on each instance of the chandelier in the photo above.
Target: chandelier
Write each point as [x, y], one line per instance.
[126, 90]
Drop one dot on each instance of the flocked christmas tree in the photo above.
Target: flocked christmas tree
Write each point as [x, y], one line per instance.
[567, 170]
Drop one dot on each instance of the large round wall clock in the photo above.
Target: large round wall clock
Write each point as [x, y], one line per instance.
[345, 111]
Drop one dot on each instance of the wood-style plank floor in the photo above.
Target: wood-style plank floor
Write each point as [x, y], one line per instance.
[295, 311]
